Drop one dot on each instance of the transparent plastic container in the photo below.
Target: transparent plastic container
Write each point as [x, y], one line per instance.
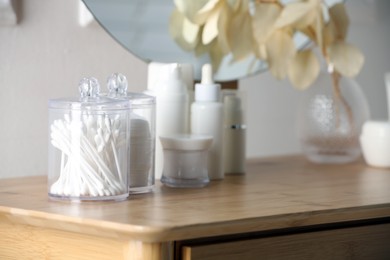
[88, 146]
[185, 160]
[142, 134]
[330, 120]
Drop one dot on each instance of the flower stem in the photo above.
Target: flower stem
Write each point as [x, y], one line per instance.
[338, 96]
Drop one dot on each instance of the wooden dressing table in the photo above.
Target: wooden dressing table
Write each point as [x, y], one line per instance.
[283, 208]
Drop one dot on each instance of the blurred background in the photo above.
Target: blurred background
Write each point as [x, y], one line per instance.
[48, 51]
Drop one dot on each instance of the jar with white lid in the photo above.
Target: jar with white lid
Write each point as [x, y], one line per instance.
[88, 146]
[375, 142]
[186, 160]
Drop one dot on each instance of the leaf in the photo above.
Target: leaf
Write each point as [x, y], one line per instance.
[209, 6]
[264, 19]
[329, 34]
[339, 16]
[303, 69]
[346, 58]
[240, 34]
[176, 30]
[210, 30]
[310, 32]
[196, 11]
[216, 55]
[190, 32]
[319, 25]
[306, 20]
[234, 4]
[315, 31]
[292, 13]
[223, 27]
[261, 52]
[201, 48]
[280, 50]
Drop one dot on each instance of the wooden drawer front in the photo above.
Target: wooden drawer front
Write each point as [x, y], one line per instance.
[28, 242]
[367, 242]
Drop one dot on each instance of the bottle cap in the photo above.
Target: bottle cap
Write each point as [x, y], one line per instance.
[172, 80]
[207, 90]
[186, 142]
[156, 70]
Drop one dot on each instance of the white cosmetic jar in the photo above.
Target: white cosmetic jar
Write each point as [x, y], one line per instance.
[186, 160]
[375, 143]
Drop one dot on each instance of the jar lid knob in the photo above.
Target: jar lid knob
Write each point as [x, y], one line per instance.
[117, 85]
[89, 88]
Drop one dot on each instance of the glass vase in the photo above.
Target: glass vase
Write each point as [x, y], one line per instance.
[330, 119]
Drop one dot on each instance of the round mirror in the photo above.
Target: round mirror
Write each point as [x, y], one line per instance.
[142, 27]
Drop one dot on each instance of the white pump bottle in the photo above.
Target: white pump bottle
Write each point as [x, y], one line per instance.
[207, 119]
[171, 110]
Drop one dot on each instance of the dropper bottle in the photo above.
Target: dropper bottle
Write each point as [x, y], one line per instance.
[207, 119]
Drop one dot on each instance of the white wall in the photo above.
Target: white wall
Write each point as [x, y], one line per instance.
[44, 57]
[47, 53]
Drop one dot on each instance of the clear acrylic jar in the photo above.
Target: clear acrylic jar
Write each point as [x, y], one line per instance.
[185, 160]
[88, 146]
[330, 119]
[142, 134]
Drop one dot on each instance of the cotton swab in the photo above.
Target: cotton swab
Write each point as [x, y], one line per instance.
[87, 143]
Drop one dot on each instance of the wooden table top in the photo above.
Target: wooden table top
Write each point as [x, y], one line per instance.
[275, 193]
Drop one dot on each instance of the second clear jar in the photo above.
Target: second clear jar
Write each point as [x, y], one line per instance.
[142, 133]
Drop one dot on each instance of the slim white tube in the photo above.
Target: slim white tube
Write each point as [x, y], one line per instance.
[387, 81]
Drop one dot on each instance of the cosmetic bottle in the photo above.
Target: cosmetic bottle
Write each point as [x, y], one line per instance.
[387, 82]
[207, 119]
[171, 109]
[234, 133]
[187, 72]
[153, 77]
[156, 74]
[375, 143]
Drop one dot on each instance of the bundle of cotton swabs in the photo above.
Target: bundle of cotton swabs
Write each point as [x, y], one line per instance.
[89, 146]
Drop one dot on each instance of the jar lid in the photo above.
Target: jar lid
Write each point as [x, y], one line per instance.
[376, 128]
[186, 142]
[89, 99]
[117, 88]
[140, 99]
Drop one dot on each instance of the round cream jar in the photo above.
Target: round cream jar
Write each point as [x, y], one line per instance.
[375, 143]
[186, 160]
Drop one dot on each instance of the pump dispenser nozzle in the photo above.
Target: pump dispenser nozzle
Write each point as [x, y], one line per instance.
[172, 79]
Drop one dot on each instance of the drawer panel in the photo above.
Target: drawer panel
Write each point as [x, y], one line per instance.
[367, 242]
